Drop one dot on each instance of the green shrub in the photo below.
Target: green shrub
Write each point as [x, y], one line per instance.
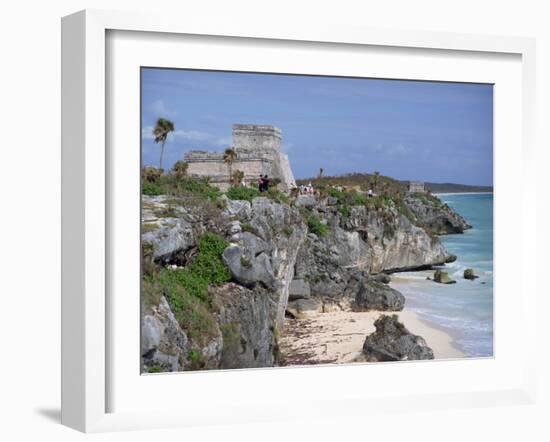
[207, 268]
[315, 226]
[344, 211]
[209, 263]
[152, 189]
[191, 312]
[155, 369]
[179, 185]
[242, 193]
[278, 196]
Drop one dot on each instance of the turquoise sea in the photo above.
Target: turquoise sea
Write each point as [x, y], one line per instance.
[464, 309]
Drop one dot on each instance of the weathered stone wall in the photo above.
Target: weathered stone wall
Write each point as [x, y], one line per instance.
[256, 137]
[416, 186]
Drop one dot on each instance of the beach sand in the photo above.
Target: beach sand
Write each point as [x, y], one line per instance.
[338, 337]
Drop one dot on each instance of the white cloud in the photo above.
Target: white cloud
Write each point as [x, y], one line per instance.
[158, 107]
[399, 149]
[192, 135]
[208, 139]
[147, 133]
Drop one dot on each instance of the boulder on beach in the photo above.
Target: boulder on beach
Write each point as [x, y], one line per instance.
[393, 342]
[302, 308]
[299, 289]
[469, 274]
[443, 278]
[383, 278]
[374, 295]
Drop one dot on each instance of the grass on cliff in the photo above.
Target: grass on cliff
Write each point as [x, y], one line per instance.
[249, 193]
[207, 268]
[171, 184]
[186, 289]
[315, 226]
[243, 193]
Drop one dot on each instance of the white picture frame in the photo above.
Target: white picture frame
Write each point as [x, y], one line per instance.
[85, 218]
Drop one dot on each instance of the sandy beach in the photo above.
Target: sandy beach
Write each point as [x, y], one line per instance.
[338, 337]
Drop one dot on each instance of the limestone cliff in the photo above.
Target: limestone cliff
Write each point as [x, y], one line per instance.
[218, 273]
[435, 216]
[235, 324]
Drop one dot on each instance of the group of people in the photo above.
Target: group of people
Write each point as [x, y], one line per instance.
[263, 183]
[306, 189]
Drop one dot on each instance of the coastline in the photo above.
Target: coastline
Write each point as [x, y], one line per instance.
[399, 282]
[462, 193]
[338, 337]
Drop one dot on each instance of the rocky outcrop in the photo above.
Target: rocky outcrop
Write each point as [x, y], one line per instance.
[265, 253]
[302, 308]
[469, 274]
[374, 295]
[305, 201]
[242, 316]
[359, 244]
[393, 342]
[246, 320]
[301, 259]
[164, 345]
[299, 289]
[435, 216]
[443, 277]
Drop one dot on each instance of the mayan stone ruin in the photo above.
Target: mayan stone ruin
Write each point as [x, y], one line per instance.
[258, 152]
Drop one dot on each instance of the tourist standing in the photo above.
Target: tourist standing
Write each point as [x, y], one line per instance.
[261, 183]
[266, 183]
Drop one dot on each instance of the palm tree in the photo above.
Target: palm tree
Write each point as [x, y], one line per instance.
[237, 177]
[161, 131]
[180, 169]
[229, 157]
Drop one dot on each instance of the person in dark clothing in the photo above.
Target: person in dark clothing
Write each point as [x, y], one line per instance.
[266, 183]
[261, 183]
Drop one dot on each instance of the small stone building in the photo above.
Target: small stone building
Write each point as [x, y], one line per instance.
[416, 187]
[258, 152]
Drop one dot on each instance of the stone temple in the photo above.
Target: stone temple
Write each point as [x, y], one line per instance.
[416, 187]
[258, 152]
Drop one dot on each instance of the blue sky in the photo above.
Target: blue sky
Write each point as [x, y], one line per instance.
[438, 132]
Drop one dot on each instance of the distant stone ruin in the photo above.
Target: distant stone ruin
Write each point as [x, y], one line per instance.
[416, 187]
[258, 152]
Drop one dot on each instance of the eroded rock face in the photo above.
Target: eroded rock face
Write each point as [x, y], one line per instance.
[246, 319]
[171, 236]
[393, 342]
[299, 289]
[265, 252]
[435, 216]
[164, 345]
[305, 201]
[264, 239]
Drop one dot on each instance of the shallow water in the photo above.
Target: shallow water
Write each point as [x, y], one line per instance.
[464, 309]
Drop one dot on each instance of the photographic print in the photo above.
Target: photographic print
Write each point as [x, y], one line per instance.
[291, 220]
